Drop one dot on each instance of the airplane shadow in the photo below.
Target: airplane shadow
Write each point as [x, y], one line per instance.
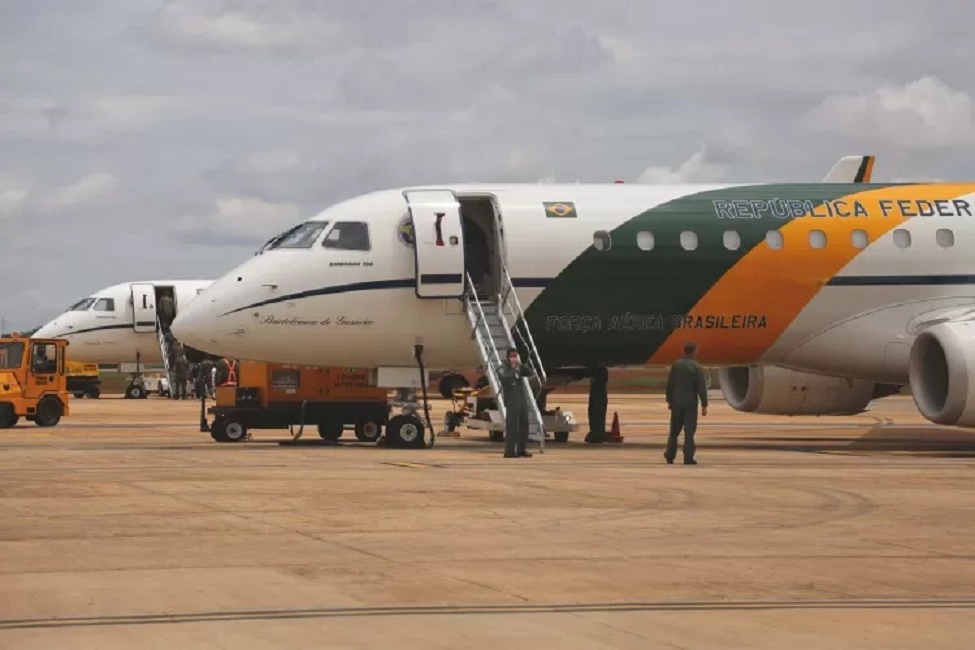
[942, 442]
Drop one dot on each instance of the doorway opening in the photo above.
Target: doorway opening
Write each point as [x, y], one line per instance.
[165, 306]
[483, 243]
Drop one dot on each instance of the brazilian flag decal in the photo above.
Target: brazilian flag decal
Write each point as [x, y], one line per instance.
[560, 209]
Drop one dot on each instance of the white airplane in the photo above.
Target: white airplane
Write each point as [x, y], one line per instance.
[812, 298]
[117, 325]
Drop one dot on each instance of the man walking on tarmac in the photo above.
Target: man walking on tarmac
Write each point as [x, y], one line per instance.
[181, 372]
[510, 373]
[686, 385]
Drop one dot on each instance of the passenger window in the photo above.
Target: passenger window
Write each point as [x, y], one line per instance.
[774, 239]
[348, 236]
[732, 240]
[945, 238]
[644, 240]
[902, 238]
[105, 304]
[601, 240]
[859, 238]
[817, 239]
[688, 240]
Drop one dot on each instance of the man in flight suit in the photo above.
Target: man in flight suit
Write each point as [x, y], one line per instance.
[686, 385]
[181, 375]
[167, 311]
[510, 374]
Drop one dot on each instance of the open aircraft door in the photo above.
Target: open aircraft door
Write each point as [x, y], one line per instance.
[143, 307]
[438, 243]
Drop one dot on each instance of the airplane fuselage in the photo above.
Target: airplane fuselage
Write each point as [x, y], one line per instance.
[107, 329]
[826, 278]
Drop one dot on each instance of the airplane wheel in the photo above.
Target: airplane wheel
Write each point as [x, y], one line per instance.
[368, 431]
[8, 418]
[49, 411]
[405, 431]
[331, 429]
[482, 382]
[135, 391]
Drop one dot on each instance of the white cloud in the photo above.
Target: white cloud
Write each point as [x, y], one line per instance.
[696, 169]
[13, 192]
[923, 114]
[239, 219]
[268, 163]
[235, 25]
[95, 188]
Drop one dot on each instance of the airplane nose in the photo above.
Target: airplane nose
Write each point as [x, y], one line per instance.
[192, 327]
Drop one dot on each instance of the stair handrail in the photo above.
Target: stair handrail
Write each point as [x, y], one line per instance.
[520, 316]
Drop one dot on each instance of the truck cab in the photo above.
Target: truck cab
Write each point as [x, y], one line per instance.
[33, 381]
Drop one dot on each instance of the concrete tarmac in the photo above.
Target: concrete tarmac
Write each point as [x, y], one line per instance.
[125, 527]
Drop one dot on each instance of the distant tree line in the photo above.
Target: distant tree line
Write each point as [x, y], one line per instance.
[25, 333]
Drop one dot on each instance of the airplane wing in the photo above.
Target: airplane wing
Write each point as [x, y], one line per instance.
[851, 169]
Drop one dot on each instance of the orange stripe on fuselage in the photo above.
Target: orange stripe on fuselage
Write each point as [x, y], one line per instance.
[778, 284]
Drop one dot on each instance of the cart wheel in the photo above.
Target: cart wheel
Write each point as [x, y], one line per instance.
[234, 431]
[496, 436]
[78, 394]
[561, 436]
[218, 429]
[368, 431]
[94, 392]
[451, 421]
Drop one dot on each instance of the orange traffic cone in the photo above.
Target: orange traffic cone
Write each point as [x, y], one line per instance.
[614, 432]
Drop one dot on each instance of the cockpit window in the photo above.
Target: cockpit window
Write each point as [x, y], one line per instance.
[11, 355]
[105, 304]
[82, 305]
[348, 236]
[301, 236]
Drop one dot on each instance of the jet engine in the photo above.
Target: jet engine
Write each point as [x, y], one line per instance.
[779, 391]
[941, 365]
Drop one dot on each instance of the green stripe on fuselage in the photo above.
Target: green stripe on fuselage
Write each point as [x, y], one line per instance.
[616, 307]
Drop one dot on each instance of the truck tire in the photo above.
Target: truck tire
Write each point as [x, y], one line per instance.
[8, 418]
[368, 431]
[49, 411]
[331, 429]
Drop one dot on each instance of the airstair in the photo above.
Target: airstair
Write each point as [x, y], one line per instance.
[164, 349]
[494, 336]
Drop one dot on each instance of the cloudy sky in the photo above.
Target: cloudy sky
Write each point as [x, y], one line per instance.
[146, 139]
